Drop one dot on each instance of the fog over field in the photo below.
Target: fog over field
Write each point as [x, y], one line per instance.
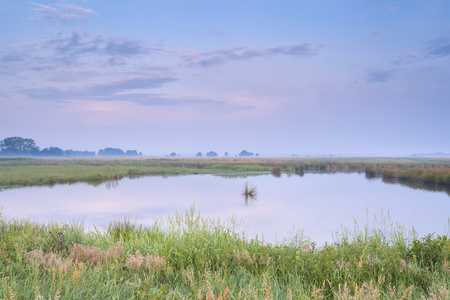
[304, 77]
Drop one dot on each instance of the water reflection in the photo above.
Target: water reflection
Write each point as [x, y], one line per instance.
[315, 204]
[242, 174]
[411, 184]
[112, 184]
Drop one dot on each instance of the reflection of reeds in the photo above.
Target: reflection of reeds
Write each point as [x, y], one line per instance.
[249, 193]
[276, 171]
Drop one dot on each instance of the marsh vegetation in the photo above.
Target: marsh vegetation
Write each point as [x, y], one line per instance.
[250, 193]
[186, 256]
[37, 171]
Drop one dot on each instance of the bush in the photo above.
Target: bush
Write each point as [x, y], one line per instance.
[431, 252]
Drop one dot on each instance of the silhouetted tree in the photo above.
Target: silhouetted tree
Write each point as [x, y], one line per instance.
[111, 152]
[131, 153]
[211, 153]
[226, 153]
[79, 153]
[52, 151]
[18, 146]
[199, 154]
[245, 153]
[173, 154]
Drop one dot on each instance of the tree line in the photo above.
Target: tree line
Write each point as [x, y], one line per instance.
[17, 146]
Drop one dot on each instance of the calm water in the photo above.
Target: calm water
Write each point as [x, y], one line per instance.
[318, 204]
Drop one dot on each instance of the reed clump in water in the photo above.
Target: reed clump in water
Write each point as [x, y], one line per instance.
[249, 193]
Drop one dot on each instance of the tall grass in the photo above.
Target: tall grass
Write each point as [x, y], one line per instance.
[438, 175]
[186, 256]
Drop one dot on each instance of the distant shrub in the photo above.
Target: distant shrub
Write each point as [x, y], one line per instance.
[96, 176]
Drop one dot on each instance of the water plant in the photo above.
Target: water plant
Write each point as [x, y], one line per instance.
[249, 193]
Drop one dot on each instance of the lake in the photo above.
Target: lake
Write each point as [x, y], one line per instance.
[316, 204]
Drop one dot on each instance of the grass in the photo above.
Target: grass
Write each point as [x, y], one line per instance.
[16, 172]
[186, 256]
[430, 176]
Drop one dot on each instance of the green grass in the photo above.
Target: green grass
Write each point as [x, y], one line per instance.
[186, 256]
[433, 174]
[42, 171]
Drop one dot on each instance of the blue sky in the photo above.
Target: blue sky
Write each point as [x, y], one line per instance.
[273, 77]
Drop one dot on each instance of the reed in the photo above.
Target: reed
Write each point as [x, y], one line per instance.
[186, 256]
[250, 191]
[40, 171]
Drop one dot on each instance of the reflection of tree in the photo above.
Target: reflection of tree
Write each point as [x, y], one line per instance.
[249, 193]
[411, 184]
[111, 184]
[242, 174]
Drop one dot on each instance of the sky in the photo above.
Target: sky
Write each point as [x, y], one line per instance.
[306, 77]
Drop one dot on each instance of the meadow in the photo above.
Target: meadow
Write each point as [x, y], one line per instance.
[187, 256]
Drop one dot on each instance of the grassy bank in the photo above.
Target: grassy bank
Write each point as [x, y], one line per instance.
[38, 171]
[439, 175]
[189, 257]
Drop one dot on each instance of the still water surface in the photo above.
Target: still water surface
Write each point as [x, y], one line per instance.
[318, 204]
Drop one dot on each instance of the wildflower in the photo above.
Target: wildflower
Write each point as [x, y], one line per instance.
[297, 252]
[297, 257]
[414, 256]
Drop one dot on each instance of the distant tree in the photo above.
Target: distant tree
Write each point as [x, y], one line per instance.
[52, 151]
[211, 153]
[18, 146]
[245, 153]
[111, 152]
[131, 153]
[173, 154]
[257, 154]
[70, 153]
[226, 153]
[199, 154]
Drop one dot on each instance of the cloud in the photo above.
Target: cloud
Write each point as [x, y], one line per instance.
[63, 51]
[392, 8]
[373, 76]
[137, 82]
[164, 100]
[305, 49]
[77, 43]
[207, 59]
[378, 33]
[109, 91]
[437, 49]
[59, 13]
